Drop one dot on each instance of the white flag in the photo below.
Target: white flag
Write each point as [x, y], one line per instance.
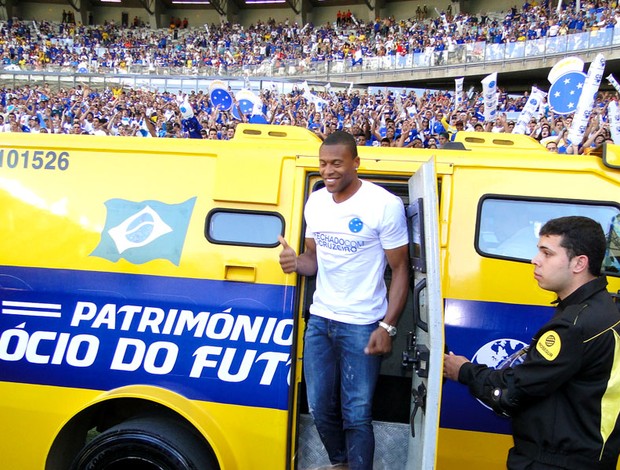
[612, 81]
[586, 100]
[489, 94]
[328, 89]
[458, 92]
[530, 109]
[186, 108]
[613, 112]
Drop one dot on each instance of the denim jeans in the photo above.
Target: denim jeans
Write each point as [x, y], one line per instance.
[341, 380]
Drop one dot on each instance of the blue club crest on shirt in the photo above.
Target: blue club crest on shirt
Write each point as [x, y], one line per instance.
[356, 225]
[144, 231]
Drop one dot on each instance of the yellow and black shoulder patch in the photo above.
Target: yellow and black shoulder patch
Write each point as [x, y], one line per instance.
[549, 345]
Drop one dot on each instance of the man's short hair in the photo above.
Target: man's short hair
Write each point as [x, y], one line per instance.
[580, 236]
[342, 138]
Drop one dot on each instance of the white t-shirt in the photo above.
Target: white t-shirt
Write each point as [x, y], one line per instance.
[350, 238]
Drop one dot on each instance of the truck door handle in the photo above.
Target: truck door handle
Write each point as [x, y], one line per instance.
[419, 401]
[417, 289]
[239, 273]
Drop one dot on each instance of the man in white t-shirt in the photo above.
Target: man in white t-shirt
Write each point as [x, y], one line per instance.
[354, 229]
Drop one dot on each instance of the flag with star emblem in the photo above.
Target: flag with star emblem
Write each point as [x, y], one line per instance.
[246, 100]
[565, 92]
[568, 64]
[221, 99]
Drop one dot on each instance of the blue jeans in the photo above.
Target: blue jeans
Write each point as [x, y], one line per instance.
[341, 380]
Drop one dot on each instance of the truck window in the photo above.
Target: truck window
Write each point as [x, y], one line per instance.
[234, 227]
[508, 227]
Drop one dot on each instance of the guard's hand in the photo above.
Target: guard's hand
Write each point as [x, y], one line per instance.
[452, 365]
[288, 257]
[379, 343]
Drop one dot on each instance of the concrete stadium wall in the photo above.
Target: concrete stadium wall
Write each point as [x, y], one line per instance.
[42, 11]
[327, 14]
[495, 6]
[253, 15]
[195, 17]
[406, 10]
[53, 12]
[318, 16]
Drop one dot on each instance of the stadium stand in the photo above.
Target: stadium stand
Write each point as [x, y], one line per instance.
[387, 117]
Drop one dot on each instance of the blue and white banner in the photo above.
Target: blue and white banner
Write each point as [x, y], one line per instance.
[564, 66]
[586, 100]
[247, 101]
[186, 109]
[221, 99]
[565, 92]
[613, 112]
[613, 82]
[567, 79]
[489, 94]
[530, 109]
[458, 92]
[319, 102]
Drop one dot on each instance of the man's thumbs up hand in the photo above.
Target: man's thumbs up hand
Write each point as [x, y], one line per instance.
[288, 257]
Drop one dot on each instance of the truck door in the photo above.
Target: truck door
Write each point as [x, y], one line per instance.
[426, 343]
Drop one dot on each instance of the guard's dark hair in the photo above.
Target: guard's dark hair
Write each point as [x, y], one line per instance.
[342, 138]
[580, 236]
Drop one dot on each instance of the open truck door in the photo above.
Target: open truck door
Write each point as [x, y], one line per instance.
[425, 347]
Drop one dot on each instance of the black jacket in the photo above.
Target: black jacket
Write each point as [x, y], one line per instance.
[564, 399]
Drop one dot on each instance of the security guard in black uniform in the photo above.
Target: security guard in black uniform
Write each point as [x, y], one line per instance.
[564, 399]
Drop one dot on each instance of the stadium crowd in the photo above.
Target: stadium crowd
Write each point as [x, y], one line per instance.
[387, 118]
[112, 47]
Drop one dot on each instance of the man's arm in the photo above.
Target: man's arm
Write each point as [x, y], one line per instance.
[487, 384]
[398, 259]
[508, 389]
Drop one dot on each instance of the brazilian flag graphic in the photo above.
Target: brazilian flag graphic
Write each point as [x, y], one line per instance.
[144, 231]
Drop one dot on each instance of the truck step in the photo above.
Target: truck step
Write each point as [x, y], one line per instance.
[391, 440]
